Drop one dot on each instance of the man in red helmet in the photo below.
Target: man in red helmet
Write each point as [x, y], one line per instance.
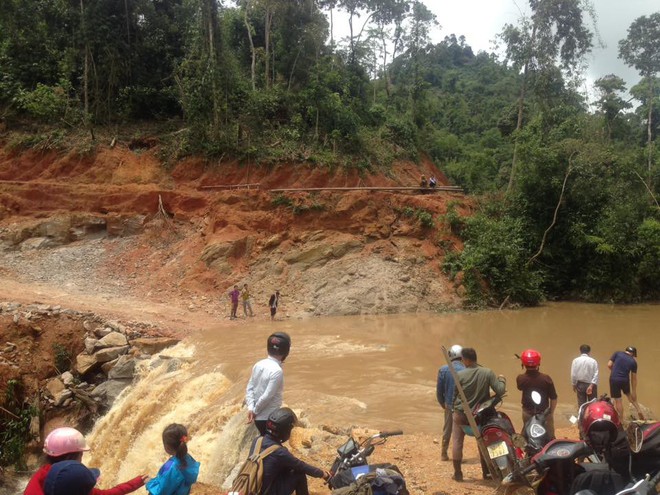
[533, 380]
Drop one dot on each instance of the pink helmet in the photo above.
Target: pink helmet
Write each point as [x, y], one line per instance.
[63, 441]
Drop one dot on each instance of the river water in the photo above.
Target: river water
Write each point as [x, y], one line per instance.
[373, 371]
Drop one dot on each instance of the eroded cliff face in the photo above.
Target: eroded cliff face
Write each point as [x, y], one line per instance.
[117, 223]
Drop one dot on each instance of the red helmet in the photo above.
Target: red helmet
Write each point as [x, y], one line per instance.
[599, 424]
[531, 358]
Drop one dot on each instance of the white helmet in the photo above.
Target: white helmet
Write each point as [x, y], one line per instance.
[455, 352]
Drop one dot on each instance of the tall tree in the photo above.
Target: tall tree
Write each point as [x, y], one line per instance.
[610, 103]
[554, 33]
[641, 50]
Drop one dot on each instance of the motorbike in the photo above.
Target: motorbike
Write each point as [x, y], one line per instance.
[352, 462]
[534, 430]
[502, 442]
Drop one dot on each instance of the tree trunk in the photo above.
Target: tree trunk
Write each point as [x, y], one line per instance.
[128, 41]
[649, 133]
[86, 66]
[252, 50]
[267, 28]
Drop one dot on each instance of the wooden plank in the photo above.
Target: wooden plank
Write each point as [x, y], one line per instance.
[255, 185]
[392, 188]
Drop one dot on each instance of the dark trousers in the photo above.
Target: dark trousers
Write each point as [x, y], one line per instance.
[446, 429]
[287, 483]
[581, 390]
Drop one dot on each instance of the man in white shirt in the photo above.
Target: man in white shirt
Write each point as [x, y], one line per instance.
[584, 376]
[264, 390]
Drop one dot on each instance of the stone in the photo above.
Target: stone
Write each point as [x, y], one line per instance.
[113, 339]
[153, 345]
[101, 332]
[37, 243]
[107, 367]
[55, 387]
[63, 396]
[110, 390]
[123, 369]
[67, 378]
[85, 362]
[88, 325]
[90, 344]
[116, 326]
[110, 353]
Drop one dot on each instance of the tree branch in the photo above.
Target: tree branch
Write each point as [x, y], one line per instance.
[554, 217]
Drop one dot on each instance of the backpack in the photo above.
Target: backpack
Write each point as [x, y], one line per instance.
[250, 478]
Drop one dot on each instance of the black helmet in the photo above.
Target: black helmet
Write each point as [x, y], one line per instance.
[279, 344]
[632, 350]
[280, 423]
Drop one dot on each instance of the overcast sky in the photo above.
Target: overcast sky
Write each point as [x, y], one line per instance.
[481, 20]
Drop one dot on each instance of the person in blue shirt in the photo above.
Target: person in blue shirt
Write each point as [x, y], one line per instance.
[623, 378]
[444, 392]
[178, 474]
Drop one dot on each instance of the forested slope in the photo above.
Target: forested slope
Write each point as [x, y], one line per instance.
[567, 187]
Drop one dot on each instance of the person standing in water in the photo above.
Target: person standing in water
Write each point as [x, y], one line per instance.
[264, 391]
[178, 474]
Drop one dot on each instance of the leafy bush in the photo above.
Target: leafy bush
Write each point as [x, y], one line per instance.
[282, 200]
[46, 103]
[494, 263]
[15, 426]
[62, 357]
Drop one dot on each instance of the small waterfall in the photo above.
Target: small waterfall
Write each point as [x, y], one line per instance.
[126, 442]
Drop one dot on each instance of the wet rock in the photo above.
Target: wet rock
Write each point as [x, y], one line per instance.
[153, 345]
[113, 339]
[110, 353]
[67, 378]
[55, 387]
[85, 363]
[123, 369]
[110, 390]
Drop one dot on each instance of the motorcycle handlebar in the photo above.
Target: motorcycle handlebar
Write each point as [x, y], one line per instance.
[385, 434]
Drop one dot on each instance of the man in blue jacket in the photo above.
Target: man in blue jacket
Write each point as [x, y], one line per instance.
[444, 391]
[283, 472]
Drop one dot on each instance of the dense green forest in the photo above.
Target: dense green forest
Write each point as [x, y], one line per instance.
[566, 188]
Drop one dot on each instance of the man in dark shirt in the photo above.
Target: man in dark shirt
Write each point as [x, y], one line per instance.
[533, 380]
[623, 378]
[283, 472]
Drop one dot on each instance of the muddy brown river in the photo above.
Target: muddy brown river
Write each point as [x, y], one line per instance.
[381, 370]
[377, 372]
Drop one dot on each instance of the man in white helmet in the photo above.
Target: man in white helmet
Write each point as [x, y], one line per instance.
[444, 391]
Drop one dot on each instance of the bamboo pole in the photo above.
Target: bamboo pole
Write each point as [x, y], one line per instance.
[494, 471]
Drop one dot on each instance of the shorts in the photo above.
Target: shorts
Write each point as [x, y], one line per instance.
[273, 311]
[617, 387]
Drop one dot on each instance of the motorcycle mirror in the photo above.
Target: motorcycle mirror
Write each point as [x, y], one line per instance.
[536, 397]
[635, 437]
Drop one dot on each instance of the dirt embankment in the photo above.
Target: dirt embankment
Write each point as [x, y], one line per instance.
[117, 234]
[93, 225]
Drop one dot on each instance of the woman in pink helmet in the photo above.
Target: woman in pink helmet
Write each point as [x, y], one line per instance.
[68, 444]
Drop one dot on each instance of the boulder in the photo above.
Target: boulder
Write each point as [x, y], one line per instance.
[123, 369]
[101, 332]
[85, 362]
[63, 396]
[67, 378]
[110, 390]
[110, 353]
[90, 344]
[113, 339]
[153, 345]
[107, 367]
[55, 387]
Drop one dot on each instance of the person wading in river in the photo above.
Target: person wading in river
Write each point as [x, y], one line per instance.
[477, 383]
[264, 391]
[444, 392]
